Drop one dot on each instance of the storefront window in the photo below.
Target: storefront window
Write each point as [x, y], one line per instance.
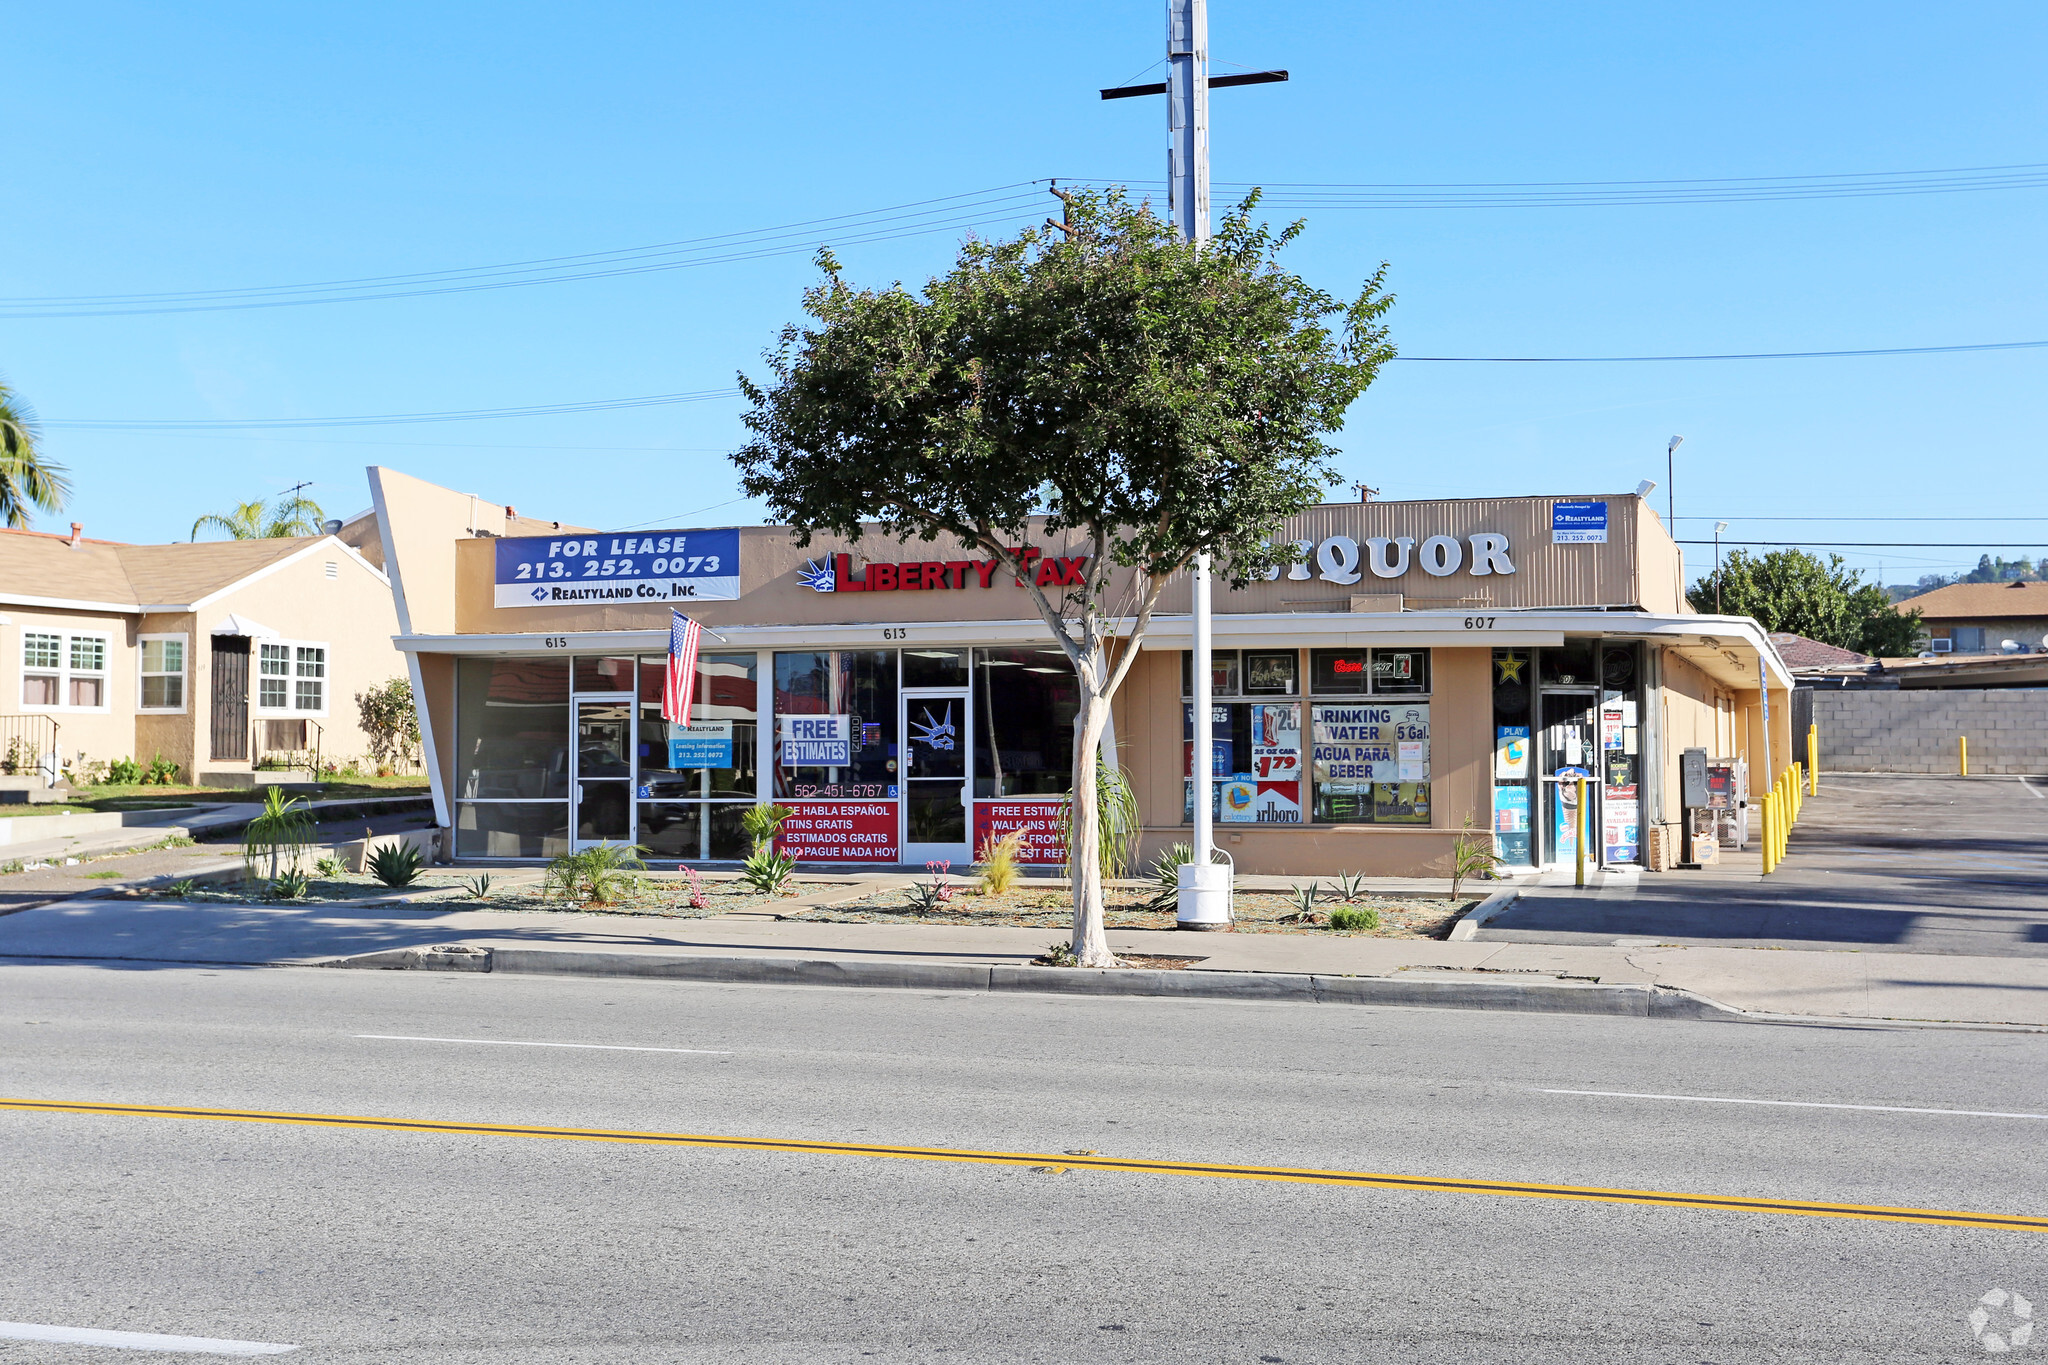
[935, 668]
[1248, 672]
[1569, 666]
[1025, 702]
[695, 780]
[613, 674]
[511, 829]
[1370, 759]
[1512, 766]
[857, 689]
[512, 729]
[1253, 747]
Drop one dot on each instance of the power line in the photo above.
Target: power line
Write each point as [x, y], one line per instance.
[393, 418]
[1738, 516]
[1739, 355]
[1879, 544]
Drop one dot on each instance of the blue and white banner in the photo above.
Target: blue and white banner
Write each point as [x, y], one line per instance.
[643, 566]
[1578, 523]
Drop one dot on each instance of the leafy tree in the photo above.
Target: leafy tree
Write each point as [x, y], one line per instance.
[296, 515]
[1791, 590]
[1147, 398]
[390, 721]
[27, 480]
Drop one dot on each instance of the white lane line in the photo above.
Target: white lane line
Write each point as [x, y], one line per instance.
[1800, 1104]
[515, 1042]
[2032, 790]
[138, 1341]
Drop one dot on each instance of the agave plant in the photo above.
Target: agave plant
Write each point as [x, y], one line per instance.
[768, 871]
[396, 864]
[290, 885]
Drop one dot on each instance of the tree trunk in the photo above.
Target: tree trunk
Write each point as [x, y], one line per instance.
[1084, 825]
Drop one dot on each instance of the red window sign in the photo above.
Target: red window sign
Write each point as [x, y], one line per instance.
[840, 831]
[1348, 665]
[1040, 821]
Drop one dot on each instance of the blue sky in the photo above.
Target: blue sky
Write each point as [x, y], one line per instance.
[215, 146]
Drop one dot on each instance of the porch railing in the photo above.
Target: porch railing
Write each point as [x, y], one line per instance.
[28, 748]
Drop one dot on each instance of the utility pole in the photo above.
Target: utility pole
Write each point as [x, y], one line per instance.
[1204, 886]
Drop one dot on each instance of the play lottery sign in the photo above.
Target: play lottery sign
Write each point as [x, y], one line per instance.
[645, 566]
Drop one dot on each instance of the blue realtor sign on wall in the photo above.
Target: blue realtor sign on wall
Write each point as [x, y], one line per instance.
[1578, 523]
[643, 566]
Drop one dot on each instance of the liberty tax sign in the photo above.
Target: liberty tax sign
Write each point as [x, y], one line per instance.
[646, 566]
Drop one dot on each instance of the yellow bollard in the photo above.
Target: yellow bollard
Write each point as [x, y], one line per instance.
[1964, 742]
[1769, 837]
[1580, 821]
[1813, 759]
[1798, 789]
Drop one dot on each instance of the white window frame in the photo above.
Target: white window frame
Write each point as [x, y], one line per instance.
[183, 674]
[292, 677]
[64, 672]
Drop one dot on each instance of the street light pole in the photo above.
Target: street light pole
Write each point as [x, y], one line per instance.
[1719, 527]
[1671, 483]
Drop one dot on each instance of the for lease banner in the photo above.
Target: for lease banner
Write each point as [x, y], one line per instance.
[643, 566]
[840, 831]
[1354, 746]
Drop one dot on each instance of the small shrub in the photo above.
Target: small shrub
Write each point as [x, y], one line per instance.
[12, 865]
[329, 867]
[696, 881]
[119, 772]
[478, 886]
[1472, 855]
[1058, 955]
[1166, 875]
[290, 886]
[767, 871]
[161, 773]
[279, 835]
[1000, 871]
[1354, 919]
[396, 864]
[1350, 888]
[601, 875]
[182, 889]
[763, 823]
[935, 894]
[174, 841]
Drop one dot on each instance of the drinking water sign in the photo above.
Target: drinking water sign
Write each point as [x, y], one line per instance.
[645, 566]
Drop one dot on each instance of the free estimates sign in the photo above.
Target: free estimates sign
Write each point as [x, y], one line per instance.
[646, 566]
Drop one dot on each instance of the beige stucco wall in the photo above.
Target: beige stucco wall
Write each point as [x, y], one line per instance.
[352, 614]
[99, 734]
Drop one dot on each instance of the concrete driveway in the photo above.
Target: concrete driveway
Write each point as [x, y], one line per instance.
[1954, 865]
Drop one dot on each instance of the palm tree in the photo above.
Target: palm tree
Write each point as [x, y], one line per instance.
[292, 515]
[27, 480]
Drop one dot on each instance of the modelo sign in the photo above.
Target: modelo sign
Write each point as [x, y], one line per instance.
[646, 566]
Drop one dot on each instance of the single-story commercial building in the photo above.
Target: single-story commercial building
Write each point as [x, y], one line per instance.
[217, 656]
[1423, 668]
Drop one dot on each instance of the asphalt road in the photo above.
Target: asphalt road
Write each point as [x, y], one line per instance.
[372, 1245]
[1909, 864]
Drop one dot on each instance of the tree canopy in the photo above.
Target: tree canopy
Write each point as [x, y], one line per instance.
[1791, 590]
[293, 515]
[28, 481]
[1150, 398]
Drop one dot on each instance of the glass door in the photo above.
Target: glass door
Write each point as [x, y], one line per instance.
[936, 763]
[1570, 750]
[602, 793]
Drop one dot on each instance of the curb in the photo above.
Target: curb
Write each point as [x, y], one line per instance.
[1468, 928]
[1529, 997]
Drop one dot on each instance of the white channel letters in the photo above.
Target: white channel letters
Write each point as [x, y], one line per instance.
[1338, 559]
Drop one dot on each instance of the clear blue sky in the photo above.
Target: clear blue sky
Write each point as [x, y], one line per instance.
[211, 146]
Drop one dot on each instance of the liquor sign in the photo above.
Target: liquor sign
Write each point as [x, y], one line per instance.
[1578, 523]
[646, 566]
[840, 831]
[1044, 845]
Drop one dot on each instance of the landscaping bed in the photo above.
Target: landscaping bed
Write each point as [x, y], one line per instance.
[1256, 912]
[661, 897]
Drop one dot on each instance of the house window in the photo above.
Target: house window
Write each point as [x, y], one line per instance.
[163, 673]
[64, 670]
[273, 678]
[310, 686]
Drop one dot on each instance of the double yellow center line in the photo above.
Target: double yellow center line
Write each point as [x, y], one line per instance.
[1067, 1161]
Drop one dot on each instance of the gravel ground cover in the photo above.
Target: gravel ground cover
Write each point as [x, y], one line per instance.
[653, 896]
[1257, 912]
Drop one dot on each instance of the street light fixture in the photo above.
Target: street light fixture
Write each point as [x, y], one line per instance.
[1671, 481]
[1719, 527]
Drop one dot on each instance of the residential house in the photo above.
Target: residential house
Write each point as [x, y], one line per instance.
[1981, 618]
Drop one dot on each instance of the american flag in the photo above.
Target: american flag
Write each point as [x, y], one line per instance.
[683, 638]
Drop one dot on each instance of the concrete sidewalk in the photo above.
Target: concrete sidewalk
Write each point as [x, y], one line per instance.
[1472, 974]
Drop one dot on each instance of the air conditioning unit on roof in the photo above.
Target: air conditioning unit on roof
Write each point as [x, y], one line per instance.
[1940, 646]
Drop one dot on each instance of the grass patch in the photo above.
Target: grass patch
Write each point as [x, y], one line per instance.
[105, 876]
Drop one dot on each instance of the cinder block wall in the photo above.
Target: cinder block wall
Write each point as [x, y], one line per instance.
[1916, 732]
